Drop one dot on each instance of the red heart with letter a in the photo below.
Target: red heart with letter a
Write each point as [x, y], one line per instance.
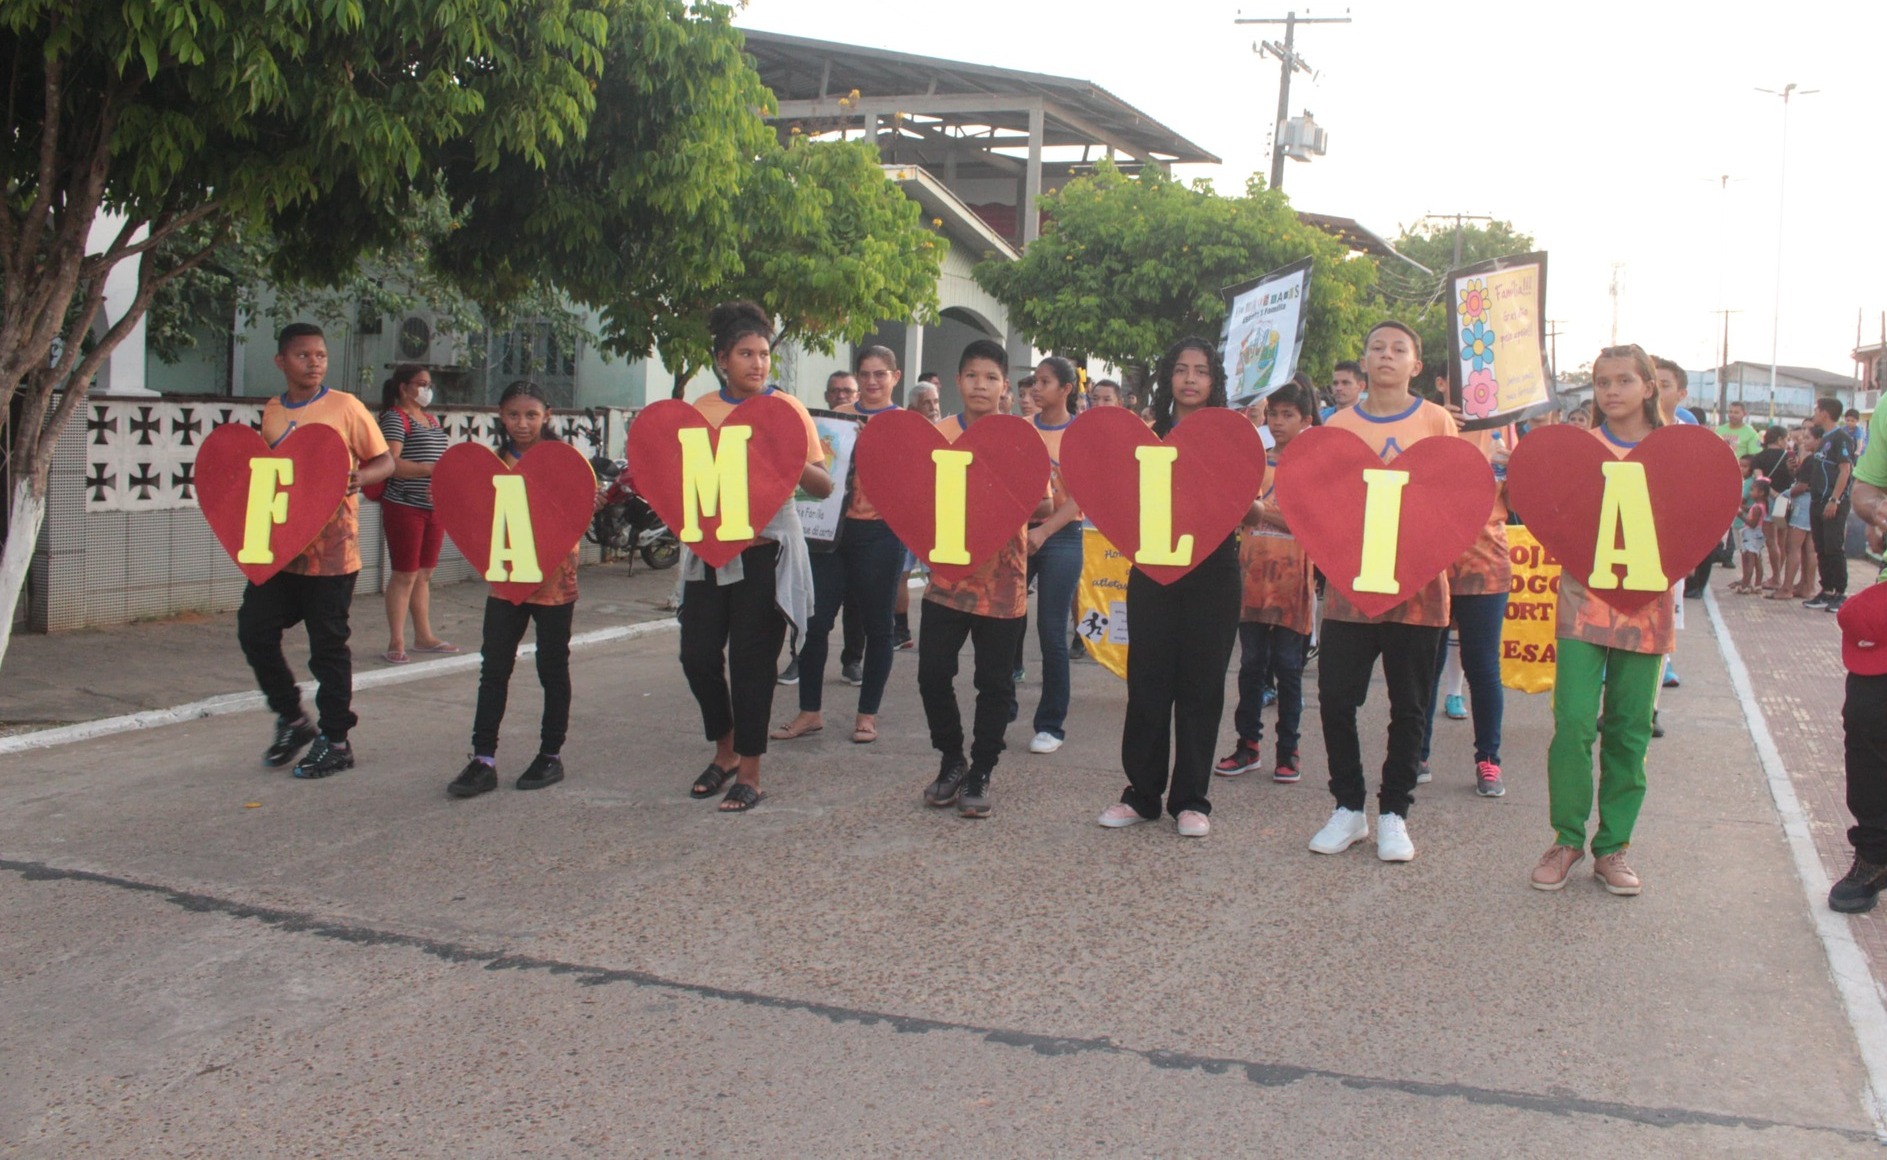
[1556, 482]
[1006, 478]
[548, 497]
[294, 489]
[1217, 473]
[684, 489]
[1325, 498]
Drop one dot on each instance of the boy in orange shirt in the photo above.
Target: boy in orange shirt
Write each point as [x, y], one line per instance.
[985, 608]
[317, 587]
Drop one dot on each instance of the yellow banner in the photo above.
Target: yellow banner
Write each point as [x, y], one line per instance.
[1101, 602]
[1527, 646]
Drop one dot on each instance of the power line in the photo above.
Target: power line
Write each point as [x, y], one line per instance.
[1288, 63]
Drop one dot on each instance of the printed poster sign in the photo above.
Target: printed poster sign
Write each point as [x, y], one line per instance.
[838, 434]
[1101, 602]
[1496, 313]
[1264, 331]
[1527, 645]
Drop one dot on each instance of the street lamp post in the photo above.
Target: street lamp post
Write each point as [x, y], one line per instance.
[1782, 201]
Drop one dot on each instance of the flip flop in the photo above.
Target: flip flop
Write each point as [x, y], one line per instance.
[788, 733]
[742, 797]
[864, 734]
[444, 646]
[710, 782]
[395, 658]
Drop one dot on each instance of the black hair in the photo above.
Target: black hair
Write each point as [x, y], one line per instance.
[841, 373]
[1829, 406]
[1852, 414]
[730, 322]
[984, 348]
[881, 353]
[390, 390]
[931, 377]
[1355, 368]
[1163, 380]
[1300, 394]
[1065, 375]
[1677, 372]
[522, 388]
[295, 330]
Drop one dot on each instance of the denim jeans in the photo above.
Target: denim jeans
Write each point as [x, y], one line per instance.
[1480, 620]
[1056, 570]
[862, 573]
[1265, 651]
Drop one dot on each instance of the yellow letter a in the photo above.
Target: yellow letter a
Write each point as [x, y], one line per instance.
[1156, 510]
[715, 480]
[1628, 534]
[267, 506]
[512, 542]
[1382, 530]
[951, 545]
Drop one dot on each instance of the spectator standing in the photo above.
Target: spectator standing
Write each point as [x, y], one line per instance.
[1346, 386]
[414, 534]
[1740, 433]
[1828, 510]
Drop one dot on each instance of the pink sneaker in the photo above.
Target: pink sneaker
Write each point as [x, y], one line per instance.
[1487, 781]
[1120, 815]
[1193, 824]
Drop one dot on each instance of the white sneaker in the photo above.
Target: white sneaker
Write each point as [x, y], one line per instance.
[1344, 829]
[1044, 743]
[1392, 839]
[1121, 814]
[1193, 824]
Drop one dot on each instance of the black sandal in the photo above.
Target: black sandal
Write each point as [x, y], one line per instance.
[743, 798]
[710, 782]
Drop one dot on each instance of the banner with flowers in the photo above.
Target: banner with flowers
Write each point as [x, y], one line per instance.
[1497, 372]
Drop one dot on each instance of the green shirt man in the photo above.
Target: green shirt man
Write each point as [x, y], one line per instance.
[1740, 434]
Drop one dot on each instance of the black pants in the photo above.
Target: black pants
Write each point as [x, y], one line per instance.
[321, 603]
[504, 628]
[1181, 636]
[1346, 657]
[992, 650]
[1831, 545]
[743, 622]
[1864, 720]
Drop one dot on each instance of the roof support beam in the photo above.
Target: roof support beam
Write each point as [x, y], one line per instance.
[1032, 179]
[1097, 135]
[830, 108]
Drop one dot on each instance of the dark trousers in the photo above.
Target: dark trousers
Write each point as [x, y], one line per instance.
[861, 576]
[1479, 621]
[1346, 656]
[940, 638]
[1864, 720]
[505, 623]
[1831, 545]
[1055, 569]
[1267, 652]
[730, 649]
[321, 603]
[851, 634]
[1181, 642]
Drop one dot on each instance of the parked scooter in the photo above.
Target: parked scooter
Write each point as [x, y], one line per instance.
[626, 525]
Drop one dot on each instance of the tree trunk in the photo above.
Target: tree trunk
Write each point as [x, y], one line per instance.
[682, 377]
[27, 513]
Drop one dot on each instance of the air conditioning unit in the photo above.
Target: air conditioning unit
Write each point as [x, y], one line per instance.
[420, 341]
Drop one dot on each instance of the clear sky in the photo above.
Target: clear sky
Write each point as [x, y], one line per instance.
[1601, 128]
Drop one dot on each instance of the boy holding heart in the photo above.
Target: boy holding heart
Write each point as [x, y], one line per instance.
[317, 588]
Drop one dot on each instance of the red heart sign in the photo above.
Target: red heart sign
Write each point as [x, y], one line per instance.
[1325, 498]
[265, 504]
[1556, 482]
[555, 487]
[1217, 473]
[1006, 478]
[776, 453]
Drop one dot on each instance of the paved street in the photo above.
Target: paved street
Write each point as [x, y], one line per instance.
[205, 958]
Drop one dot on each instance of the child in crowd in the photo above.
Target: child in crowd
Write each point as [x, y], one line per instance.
[316, 588]
[523, 409]
[1750, 536]
[1279, 598]
[1182, 638]
[986, 609]
[1608, 661]
[1054, 553]
[734, 618]
[1390, 418]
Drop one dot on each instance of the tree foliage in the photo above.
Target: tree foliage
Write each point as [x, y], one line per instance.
[1127, 264]
[1417, 300]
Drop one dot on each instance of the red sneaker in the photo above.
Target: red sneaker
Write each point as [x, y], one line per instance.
[1286, 771]
[1243, 759]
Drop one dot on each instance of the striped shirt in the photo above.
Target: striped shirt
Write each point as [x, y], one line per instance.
[422, 442]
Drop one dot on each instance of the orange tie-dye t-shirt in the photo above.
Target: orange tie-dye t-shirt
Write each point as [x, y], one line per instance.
[1280, 584]
[860, 508]
[1583, 616]
[1389, 436]
[1000, 588]
[717, 405]
[1485, 568]
[336, 550]
[560, 587]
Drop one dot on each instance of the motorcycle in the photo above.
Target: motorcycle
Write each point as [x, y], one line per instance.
[626, 525]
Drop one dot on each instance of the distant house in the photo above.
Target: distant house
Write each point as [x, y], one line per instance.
[1747, 383]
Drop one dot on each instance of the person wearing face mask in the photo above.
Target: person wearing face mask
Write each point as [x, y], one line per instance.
[414, 533]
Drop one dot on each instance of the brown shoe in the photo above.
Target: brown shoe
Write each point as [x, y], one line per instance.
[1555, 865]
[1617, 877]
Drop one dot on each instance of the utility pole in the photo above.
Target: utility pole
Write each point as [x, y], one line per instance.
[1723, 369]
[1782, 202]
[1288, 63]
[1613, 291]
[1459, 218]
[1552, 339]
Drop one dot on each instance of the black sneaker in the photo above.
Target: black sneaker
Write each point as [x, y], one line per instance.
[1817, 602]
[290, 737]
[1077, 648]
[950, 775]
[1835, 602]
[853, 674]
[904, 632]
[477, 777]
[790, 674]
[1858, 892]
[973, 799]
[1657, 727]
[541, 772]
[325, 759]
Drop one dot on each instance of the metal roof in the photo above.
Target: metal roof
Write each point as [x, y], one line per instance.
[1357, 236]
[809, 77]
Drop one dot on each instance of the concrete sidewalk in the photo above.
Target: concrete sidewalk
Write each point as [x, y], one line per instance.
[205, 957]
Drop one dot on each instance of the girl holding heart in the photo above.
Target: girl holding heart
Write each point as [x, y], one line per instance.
[1054, 552]
[1607, 661]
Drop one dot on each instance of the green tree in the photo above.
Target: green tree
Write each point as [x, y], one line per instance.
[1126, 265]
[1416, 299]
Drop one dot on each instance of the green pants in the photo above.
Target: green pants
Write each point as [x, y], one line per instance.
[1629, 682]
